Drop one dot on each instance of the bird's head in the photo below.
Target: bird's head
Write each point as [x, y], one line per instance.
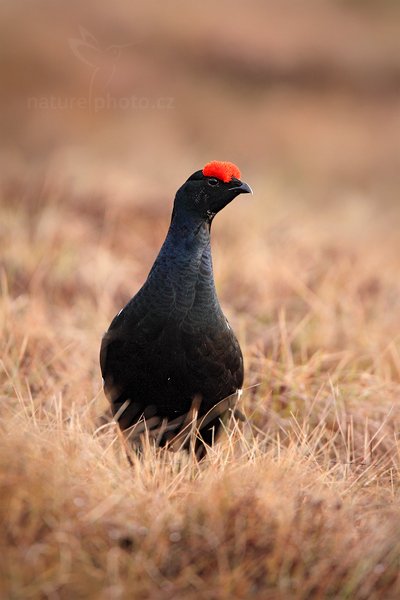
[208, 191]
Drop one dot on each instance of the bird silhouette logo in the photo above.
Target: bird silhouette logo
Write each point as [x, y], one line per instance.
[103, 61]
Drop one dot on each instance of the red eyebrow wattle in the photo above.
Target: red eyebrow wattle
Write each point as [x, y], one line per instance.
[223, 170]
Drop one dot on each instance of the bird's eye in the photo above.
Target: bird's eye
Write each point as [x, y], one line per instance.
[213, 181]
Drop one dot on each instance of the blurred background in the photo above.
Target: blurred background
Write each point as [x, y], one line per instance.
[132, 97]
[106, 108]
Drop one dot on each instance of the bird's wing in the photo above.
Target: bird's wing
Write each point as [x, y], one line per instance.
[214, 356]
[110, 335]
[133, 332]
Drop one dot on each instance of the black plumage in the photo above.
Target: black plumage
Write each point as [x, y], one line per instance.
[170, 355]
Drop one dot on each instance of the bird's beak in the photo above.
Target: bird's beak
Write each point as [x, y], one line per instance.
[241, 187]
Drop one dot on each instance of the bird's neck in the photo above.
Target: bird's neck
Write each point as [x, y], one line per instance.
[185, 251]
[183, 270]
[188, 239]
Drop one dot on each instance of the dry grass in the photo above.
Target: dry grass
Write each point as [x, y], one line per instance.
[302, 500]
[299, 502]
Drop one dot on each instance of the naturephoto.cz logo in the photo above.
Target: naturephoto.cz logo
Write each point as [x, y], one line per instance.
[103, 64]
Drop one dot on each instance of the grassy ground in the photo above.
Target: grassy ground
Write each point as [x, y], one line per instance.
[302, 499]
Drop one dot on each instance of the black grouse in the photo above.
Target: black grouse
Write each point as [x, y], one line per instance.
[169, 358]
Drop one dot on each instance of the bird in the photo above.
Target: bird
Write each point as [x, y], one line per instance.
[102, 60]
[170, 359]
